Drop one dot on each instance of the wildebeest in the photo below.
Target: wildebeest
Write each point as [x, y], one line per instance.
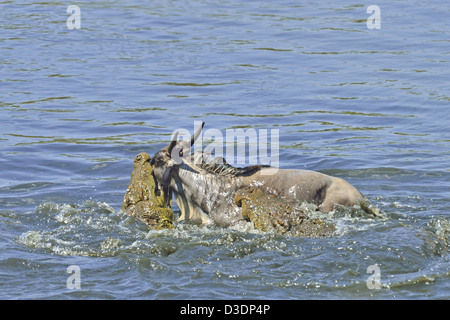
[204, 187]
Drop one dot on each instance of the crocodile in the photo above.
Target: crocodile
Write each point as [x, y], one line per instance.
[268, 212]
[142, 200]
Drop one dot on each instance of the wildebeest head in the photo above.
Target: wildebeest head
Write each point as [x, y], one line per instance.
[203, 185]
[169, 158]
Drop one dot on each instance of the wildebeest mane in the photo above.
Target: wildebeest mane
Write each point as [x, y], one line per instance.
[220, 167]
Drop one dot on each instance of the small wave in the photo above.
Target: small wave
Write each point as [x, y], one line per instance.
[441, 226]
[437, 238]
[360, 217]
[49, 242]
[73, 229]
[28, 186]
[424, 281]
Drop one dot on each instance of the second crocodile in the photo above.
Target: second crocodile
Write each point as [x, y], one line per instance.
[268, 212]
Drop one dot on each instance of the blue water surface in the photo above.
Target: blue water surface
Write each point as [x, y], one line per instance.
[367, 105]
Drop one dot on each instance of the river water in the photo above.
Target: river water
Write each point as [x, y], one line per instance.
[367, 105]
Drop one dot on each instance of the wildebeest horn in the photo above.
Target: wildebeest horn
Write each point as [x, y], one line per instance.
[172, 143]
[197, 133]
[178, 147]
[184, 144]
